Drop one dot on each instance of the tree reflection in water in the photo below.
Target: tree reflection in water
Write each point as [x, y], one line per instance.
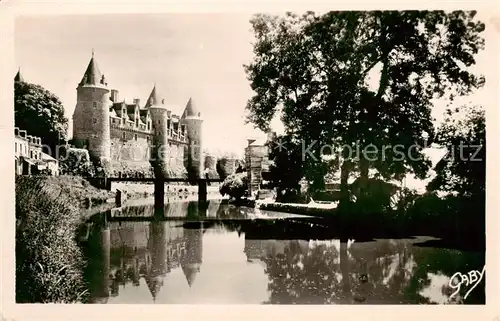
[376, 272]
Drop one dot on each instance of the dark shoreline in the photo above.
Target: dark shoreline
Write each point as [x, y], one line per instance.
[373, 225]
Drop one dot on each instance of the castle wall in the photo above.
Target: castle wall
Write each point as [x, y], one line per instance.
[128, 145]
[91, 120]
[175, 160]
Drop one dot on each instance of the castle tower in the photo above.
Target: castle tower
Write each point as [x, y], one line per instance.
[193, 257]
[191, 117]
[100, 247]
[91, 117]
[158, 250]
[159, 118]
[18, 77]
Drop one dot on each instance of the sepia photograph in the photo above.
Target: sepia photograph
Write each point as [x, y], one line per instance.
[291, 158]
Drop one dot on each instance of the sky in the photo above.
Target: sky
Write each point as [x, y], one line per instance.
[198, 56]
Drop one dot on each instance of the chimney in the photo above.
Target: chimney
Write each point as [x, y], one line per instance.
[114, 95]
[137, 101]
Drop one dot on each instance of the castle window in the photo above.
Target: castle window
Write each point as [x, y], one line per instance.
[94, 120]
[159, 121]
[94, 104]
[16, 147]
[135, 137]
[147, 139]
[124, 135]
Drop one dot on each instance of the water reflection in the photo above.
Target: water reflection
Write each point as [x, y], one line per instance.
[171, 261]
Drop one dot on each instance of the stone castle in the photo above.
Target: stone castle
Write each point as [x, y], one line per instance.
[132, 134]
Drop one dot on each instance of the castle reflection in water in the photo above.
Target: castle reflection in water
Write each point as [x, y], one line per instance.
[121, 253]
[135, 254]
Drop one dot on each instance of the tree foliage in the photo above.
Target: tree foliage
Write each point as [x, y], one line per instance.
[41, 113]
[286, 169]
[234, 185]
[77, 163]
[315, 70]
[463, 169]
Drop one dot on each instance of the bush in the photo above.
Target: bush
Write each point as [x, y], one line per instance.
[234, 185]
[102, 168]
[292, 195]
[456, 217]
[49, 263]
[77, 162]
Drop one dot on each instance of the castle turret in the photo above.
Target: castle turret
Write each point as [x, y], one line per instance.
[192, 119]
[91, 117]
[159, 118]
[157, 247]
[192, 259]
[18, 77]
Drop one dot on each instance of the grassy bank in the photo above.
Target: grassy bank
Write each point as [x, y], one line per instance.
[48, 259]
[76, 188]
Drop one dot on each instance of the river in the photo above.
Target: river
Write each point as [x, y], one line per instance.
[222, 254]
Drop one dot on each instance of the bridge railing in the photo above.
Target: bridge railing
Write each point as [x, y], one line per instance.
[105, 182]
[167, 180]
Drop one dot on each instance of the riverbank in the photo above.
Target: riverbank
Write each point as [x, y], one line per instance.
[458, 222]
[322, 210]
[48, 259]
[74, 187]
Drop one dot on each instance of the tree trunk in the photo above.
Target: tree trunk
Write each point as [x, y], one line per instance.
[344, 187]
[363, 178]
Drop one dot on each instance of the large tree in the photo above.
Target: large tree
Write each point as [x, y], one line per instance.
[463, 169]
[40, 113]
[314, 69]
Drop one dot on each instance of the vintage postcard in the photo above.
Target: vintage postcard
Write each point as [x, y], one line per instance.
[194, 160]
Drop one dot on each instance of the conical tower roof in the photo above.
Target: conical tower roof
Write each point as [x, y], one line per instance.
[190, 272]
[154, 99]
[154, 285]
[19, 77]
[190, 110]
[92, 75]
